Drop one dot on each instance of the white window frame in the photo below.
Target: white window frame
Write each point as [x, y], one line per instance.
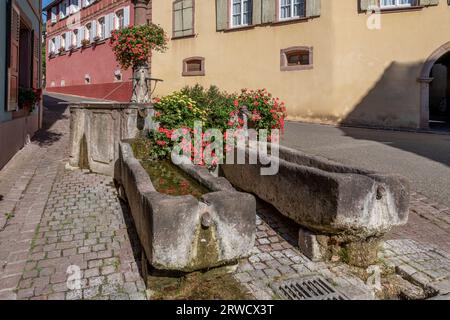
[292, 6]
[241, 14]
[397, 4]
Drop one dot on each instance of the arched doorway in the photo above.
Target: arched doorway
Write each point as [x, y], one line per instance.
[435, 90]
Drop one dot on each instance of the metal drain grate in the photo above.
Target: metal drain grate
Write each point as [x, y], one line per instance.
[309, 288]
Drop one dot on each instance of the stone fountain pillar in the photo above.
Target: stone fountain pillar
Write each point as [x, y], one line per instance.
[141, 73]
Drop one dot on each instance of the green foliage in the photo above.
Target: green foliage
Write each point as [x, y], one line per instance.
[216, 103]
[215, 110]
[133, 45]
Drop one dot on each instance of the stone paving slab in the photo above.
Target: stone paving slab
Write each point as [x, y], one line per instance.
[422, 264]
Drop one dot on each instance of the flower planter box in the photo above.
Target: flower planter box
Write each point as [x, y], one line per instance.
[181, 233]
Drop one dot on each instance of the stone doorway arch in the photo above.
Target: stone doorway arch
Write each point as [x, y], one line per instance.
[425, 79]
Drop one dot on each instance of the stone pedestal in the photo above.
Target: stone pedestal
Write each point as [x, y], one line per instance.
[96, 130]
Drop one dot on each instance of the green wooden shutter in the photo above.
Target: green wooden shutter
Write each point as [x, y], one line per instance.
[221, 15]
[269, 11]
[428, 2]
[365, 4]
[313, 8]
[188, 18]
[178, 19]
[256, 14]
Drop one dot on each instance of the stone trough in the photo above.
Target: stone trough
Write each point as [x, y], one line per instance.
[181, 233]
[341, 210]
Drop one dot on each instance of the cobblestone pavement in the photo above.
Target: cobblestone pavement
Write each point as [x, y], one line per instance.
[51, 219]
[83, 227]
[419, 252]
[276, 257]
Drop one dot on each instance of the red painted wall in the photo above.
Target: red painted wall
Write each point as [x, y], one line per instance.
[96, 61]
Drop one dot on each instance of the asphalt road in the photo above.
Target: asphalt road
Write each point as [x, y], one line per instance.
[423, 158]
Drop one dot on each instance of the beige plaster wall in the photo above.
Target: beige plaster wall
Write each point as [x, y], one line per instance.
[360, 76]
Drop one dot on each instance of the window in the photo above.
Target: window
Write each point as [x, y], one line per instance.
[387, 4]
[87, 79]
[74, 6]
[88, 2]
[102, 28]
[292, 9]
[75, 39]
[52, 46]
[87, 32]
[63, 10]
[183, 18]
[119, 21]
[117, 76]
[241, 13]
[54, 14]
[194, 66]
[296, 58]
[63, 42]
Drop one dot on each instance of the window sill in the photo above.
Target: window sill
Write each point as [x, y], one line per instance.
[395, 10]
[184, 37]
[239, 28]
[297, 68]
[402, 9]
[289, 21]
[193, 74]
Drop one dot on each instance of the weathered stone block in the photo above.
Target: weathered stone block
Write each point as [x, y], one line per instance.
[95, 132]
[326, 197]
[309, 245]
[182, 233]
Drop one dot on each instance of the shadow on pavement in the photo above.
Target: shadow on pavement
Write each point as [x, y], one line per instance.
[435, 147]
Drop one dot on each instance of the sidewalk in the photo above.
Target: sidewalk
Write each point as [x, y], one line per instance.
[51, 219]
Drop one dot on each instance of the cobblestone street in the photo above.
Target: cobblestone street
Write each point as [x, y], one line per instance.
[58, 225]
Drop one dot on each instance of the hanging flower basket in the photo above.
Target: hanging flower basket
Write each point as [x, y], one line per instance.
[133, 46]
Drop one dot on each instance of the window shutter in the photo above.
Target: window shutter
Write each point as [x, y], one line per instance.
[13, 74]
[256, 12]
[36, 60]
[222, 15]
[313, 8]
[188, 18]
[178, 19]
[364, 5]
[429, 2]
[269, 11]
[93, 30]
[126, 16]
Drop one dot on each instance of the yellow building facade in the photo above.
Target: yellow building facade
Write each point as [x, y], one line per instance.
[359, 62]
